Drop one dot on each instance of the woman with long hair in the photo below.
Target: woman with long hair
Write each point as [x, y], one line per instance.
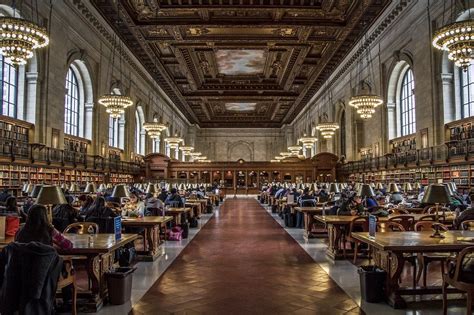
[99, 210]
[38, 229]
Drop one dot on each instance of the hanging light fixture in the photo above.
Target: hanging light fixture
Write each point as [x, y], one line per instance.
[186, 149]
[294, 150]
[456, 38]
[154, 128]
[285, 154]
[279, 157]
[115, 103]
[326, 127]
[174, 142]
[365, 101]
[19, 38]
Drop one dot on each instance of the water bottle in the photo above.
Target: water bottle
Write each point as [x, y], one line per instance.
[90, 231]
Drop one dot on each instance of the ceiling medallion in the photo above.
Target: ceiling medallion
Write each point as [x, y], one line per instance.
[174, 142]
[154, 128]
[365, 104]
[19, 38]
[115, 105]
[458, 40]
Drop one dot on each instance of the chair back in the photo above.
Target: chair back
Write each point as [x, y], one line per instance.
[405, 220]
[81, 228]
[362, 224]
[429, 225]
[308, 203]
[428, 217]
[467, 225]
[390, 226]
[174, 204]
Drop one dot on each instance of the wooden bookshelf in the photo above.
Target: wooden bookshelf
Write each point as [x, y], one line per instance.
[76, 144]
[14, 136]
[403, 144]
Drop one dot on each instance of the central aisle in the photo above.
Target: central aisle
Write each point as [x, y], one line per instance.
[243, 262]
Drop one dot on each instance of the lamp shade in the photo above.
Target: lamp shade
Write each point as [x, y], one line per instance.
[393, 188]
[51, 195]
[407, 187]
[120, 191]
[109, 185]
[25, 187]
[151, 189]
[74, 188]
[334, 188]
[90, 188]
[449, 189]
[35, 191]
[436, 193]
[102, 187]
[379, 186]
[64, 186]
[417, 186]
[452, 185]
[366, 191]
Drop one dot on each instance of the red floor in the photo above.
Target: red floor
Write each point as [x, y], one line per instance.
[243, 262]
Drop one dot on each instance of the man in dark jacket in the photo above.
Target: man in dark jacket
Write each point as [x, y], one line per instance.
[163, 195]
[174, 199]
[29, 274]
[4, 195]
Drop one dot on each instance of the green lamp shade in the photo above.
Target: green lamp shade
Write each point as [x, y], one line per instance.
[151, 189]
[407, 187]
[120, 191]
[51, 195]
[35, 191]
[436, 193]
[74, 188]
[334, 188]
[393, 188]
[90, 188]
[366, 191]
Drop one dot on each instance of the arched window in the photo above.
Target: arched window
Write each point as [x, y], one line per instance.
[467, 92]
[139, 131]
[342, 133]
[9, 91]
[71, 104]
[407, 104]
[78, 101]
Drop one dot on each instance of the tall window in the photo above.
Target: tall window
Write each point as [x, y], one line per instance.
[342, 133]
[467, 94]
[407, 104]
[114, 134]
[9, 91]
[71, 104]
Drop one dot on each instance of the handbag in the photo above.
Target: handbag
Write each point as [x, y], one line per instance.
[176, 234]
[193, 222]
[126, 256]
[12, 225]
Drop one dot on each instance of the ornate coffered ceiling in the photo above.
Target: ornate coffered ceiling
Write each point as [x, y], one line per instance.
[240, 63]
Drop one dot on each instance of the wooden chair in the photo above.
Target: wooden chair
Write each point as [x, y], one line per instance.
[359, 224]
[425, 260]
[390, 227]
[81, 228]
[398, 211]
[467, 225]
[405, 220]
[454, 278]
[67, 278]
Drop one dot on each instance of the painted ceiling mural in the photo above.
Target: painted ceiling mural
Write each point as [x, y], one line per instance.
[229, 64]
[240, 61]
[240, 107]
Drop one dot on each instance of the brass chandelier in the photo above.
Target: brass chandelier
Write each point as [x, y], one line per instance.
[456, 38]
[294, 150]
[115, 104]
[154, 128]
[365, 101]
[186, 150]
[174, 142]
[307, 141]
[19, 38]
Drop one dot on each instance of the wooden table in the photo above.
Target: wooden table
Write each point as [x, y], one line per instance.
[100, 259]
[309, 213]
[198, 205]
[389, 247]
[176, 213]
[151, 241]
[337, 224]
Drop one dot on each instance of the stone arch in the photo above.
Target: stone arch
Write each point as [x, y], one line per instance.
[401, 64]
[240, 150]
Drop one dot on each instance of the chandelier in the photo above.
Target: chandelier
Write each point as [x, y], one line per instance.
[200, 158]
[365, 104]
[194, 155]
[327, 129]
[307, 142]
[19, 38]
[458, 40]
[155, 128]
[295, 149]
[279, 157]
[275, 161]
[115, 104]
[174, 142]
[285, 154]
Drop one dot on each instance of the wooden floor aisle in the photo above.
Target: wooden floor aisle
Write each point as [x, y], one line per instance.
[243, 262]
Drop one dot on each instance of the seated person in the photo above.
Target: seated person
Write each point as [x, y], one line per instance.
[63, 215]
[86, 202]
[462, 216]
[396, 198]
[163, 195]
[152, 203]
[4, 195]
[371, 203]
[11, 206]
[99, 210]
[174, 199]
[38, 229]
[134, 207]
[352, 206]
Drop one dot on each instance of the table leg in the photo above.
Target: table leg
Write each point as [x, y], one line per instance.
[393, 264]
[334, 235]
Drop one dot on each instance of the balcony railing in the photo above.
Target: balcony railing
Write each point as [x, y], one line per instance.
[40, 153]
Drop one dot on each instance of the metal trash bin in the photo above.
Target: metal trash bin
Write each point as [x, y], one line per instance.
[119, 284]
[372, 283]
